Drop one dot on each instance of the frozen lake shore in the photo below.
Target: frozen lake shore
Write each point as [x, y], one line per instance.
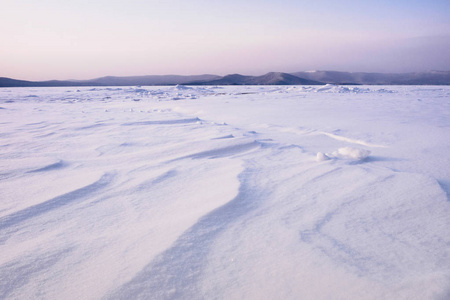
[248, 192]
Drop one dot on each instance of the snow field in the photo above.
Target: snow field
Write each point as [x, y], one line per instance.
[225, 192]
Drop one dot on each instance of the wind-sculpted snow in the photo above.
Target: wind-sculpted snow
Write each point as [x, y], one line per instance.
[248, 192]
[14, 219]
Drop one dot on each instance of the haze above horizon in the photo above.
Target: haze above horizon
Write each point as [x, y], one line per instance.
[80, 39]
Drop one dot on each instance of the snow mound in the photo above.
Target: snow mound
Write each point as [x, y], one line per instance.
[322, 156]
[344, 153]
[352, 153]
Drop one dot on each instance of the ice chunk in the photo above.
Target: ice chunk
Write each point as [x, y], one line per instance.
[182, 87]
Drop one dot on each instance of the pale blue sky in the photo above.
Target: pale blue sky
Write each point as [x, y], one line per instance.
[80, 39]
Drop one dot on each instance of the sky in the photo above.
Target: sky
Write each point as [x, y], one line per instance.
[83, 39]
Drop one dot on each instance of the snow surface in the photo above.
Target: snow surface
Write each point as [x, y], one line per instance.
[249, 192]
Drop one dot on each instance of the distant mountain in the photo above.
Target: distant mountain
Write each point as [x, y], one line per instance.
[111, 81]
[232, 79]
[277, 78]
[422, 78]
[272, 78]
[8, 82]
[150, 80]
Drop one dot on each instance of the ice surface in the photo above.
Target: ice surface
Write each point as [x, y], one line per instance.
[244, 192]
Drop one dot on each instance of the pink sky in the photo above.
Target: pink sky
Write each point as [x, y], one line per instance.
[83, 39]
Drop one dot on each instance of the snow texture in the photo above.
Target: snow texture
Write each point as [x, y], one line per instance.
[248, 192]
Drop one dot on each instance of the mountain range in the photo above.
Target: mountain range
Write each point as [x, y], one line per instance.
[271, 78]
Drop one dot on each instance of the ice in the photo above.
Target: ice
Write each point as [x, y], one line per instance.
[182, 87]
[332, 88]
[233, 192]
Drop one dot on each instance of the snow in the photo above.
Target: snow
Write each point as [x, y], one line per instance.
[352, 153]
[239, 192]
[322, 156]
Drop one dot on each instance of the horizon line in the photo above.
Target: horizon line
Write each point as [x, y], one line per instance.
[211, 74]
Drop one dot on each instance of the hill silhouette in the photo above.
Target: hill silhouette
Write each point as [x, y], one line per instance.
[271, 78]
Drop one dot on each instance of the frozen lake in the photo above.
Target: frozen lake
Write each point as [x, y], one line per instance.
[245, 192]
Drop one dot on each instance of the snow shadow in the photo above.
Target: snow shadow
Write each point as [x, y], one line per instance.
[225, 151]
[18, 273]
[381, 158]
[55, 166]
[163, 122]
[445, 185]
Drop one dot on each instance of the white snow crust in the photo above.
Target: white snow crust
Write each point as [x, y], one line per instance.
[244, 192]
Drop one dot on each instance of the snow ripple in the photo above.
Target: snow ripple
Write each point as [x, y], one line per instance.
[34, 211]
